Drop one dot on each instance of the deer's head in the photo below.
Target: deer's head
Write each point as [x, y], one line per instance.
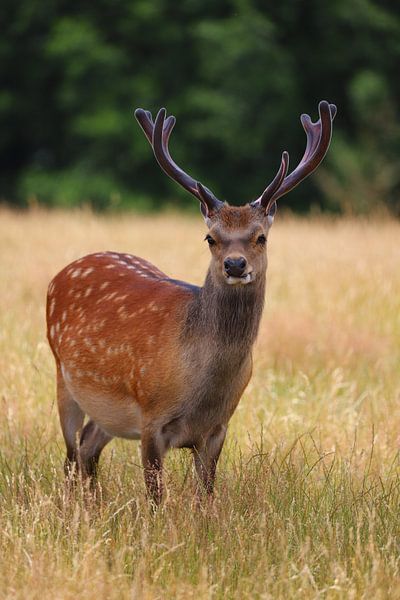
[237, 236]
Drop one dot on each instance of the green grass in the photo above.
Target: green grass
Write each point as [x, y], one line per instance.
[308, 489]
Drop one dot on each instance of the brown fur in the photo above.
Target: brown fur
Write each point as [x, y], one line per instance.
[147, 356]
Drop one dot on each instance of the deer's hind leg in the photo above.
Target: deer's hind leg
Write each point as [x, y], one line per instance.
[93, 440]
[71, 419]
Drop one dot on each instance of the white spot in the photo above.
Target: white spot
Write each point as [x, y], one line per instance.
[58, 327]
[110, 266]
[51, 288]
[76, 273]
[88, 291]
[52, 306]
[114, 256]
[104, 285]
[64, 316]
[87, 272]
[52, 331]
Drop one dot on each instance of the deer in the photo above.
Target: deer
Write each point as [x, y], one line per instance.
[140, 355]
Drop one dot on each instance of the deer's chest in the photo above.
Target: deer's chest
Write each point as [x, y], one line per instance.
[208, 402]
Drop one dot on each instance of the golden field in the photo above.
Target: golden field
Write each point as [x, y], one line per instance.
[307, 501]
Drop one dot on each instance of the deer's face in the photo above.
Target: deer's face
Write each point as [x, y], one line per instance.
[237, 238]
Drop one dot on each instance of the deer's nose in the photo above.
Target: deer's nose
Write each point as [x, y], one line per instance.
[235, 267]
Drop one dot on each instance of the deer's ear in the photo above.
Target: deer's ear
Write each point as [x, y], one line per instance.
[209, 204]
[204, 209]
[207, 212]
[271, 212]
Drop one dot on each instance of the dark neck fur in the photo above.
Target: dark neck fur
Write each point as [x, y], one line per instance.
[229, 315]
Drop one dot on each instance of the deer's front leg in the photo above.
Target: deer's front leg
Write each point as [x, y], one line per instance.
[206, 457]
[153, 450]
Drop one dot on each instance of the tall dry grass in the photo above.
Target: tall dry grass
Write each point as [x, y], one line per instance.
[308, 493]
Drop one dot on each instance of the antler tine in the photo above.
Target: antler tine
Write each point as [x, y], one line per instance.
[168, 126]
[264, 199]
[313, 132]
[158, 134]
[164, 159]
[145, 121]
[318, 139]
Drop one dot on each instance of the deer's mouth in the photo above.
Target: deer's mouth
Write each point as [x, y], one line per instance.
[242, 280]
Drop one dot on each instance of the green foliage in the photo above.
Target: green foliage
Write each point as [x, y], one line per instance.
[367, 173]
[236, 73]
[74, 187]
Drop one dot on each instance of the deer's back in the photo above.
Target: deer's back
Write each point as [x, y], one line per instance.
[114, 325]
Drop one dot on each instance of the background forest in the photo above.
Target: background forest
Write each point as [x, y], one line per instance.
[236, 73]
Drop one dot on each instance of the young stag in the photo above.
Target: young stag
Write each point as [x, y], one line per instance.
[150, 357]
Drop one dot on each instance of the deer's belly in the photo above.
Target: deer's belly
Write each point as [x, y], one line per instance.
[116, 413]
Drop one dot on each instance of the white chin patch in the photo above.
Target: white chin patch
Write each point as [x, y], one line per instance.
[239, 280]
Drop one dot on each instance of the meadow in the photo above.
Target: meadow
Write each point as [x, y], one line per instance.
[307, 501]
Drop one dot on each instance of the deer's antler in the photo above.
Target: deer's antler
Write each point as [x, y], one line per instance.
[158, 133]
[318, 139]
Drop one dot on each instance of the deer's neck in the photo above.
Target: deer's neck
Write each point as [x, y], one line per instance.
[228, 315]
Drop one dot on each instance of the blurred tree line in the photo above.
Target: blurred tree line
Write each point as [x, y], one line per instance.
[236, 73]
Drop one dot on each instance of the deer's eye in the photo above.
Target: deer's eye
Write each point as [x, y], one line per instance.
[210, 240]
[261, 240]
